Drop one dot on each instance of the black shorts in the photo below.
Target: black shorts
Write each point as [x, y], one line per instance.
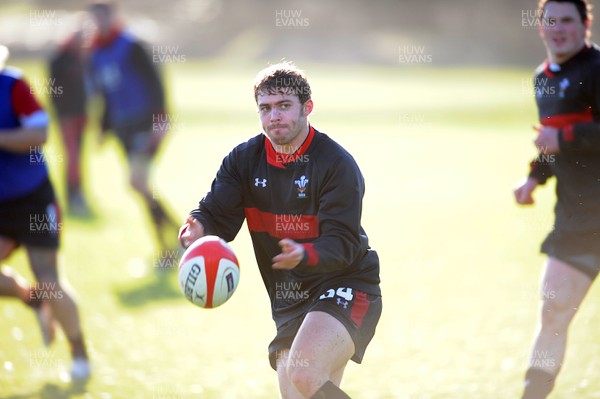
[580, 250]
[136, 135]
[359, 314]
[33, 219]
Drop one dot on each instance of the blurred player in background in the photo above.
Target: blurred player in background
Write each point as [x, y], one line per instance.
[68, 74]
[29, 215]
[301, 195]
[567, 89]
[133, 99]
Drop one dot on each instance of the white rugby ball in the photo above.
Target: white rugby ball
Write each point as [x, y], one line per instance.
[209, 272]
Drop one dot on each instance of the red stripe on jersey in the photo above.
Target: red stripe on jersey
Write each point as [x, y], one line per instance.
[359, 308]
[279, 159]
[560, 121]
[24, 103]
[312, 256]
[294, 227]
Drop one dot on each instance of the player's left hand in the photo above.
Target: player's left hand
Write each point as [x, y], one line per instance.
[547, 140]
[291, 255]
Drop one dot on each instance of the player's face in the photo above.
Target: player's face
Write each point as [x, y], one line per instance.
[562, 30]
[103, 20]
[284, 120]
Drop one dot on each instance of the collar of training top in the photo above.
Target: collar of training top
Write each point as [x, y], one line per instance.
[552, 68]
[281, 160]
[109, 38]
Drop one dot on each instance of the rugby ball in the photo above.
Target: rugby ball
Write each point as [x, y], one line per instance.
[209, 272]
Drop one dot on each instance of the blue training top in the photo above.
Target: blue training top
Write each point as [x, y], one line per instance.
[20, 173]
[128, 97]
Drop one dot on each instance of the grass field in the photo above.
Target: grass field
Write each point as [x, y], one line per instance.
[441, 150]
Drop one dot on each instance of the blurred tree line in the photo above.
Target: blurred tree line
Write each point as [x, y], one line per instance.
[475, 32]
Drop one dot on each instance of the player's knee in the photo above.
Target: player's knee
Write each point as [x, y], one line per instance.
[306, 381]
[50, 290]
[7, 272]
[556, 313]
[138, 184]
[47, 275]
[4, 253]
[7, 246]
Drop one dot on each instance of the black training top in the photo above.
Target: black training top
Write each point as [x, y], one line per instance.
[568, 98]
[314, 197]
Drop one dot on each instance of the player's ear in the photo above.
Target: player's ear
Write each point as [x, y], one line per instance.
[588, 26]
[308, 107]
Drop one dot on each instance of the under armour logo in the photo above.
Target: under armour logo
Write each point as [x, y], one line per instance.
[257, 181]
[343, 303]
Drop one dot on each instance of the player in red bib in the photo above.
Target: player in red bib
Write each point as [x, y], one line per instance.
[67, 71]
[29, 216]
[134, 100]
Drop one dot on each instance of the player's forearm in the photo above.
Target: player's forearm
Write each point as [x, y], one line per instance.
[221, 211]
[22, 139]
[540, 171]
[222, 222]
[331, 253]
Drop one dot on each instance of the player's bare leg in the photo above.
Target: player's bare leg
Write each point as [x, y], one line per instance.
[72, 129]
[284, 382]
[317, 358]
[44, 265]
[12, 284]
[7, 246]
[286, 388]
[563, 289]
[139, 165]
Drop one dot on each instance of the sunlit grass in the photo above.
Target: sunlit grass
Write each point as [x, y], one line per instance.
[440, 150]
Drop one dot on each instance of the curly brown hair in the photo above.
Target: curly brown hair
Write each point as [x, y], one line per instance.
[282, 78]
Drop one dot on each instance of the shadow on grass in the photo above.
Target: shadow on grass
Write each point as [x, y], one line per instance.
[53, 391]
[161, 286]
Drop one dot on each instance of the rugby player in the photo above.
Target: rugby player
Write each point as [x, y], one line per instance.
[67, 71]
[29, 216]
[567, 87]
[133, 98]
[301, 195]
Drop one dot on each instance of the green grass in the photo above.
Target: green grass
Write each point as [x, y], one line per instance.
[441, 150]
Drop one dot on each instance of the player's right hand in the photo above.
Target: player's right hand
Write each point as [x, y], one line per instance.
[190, 231]
[523, 192]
